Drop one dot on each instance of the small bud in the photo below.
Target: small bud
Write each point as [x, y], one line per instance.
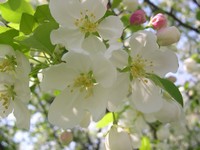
[66, 137]
[167, 36]
[138, 17]
[159, 21]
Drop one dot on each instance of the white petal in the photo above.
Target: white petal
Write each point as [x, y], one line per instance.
[104, 72]
[146, 96]
[119, 58]
[118, 91]
[110, 28]
[6, 50]
[21, 114]
[64, 111]
[144, 41]
[22, 90]
[96, 104]
[57, 77]
[23, 65]
[93, 45]
[170, 112]
[65, 12]
[71, 38]
[163, 62]
[96, 7]
[82, 63]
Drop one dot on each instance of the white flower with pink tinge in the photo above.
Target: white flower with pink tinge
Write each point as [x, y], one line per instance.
[84, 81]
[79, 19]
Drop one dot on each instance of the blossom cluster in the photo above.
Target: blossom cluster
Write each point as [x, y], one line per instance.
[99, 74]
[14, 85]
[103, 70]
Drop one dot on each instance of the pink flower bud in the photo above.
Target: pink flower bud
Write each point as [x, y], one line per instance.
[158, 21]
[66, 137]
[138, 17]
[167, 36]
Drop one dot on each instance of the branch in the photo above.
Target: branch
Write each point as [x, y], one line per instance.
[173, 16]
[195, 1]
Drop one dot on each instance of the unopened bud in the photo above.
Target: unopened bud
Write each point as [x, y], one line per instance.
[138, 17]
[167, 36]
[159, 21]
[66, 137]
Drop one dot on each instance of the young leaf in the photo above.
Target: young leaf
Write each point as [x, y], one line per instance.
[7, 35]
[42, 14]
[41, 38]
[108, 118]
[145, 144]
[12, 10]
[27, 23]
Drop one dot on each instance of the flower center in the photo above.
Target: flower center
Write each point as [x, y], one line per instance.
[7, 94]
[139, 67]
[85, 82]
[8, 64]
[86, 23]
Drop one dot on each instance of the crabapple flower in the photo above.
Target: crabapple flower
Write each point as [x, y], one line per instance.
[138, 17]
[167, 36]
[131, 5]
[14, 85]
[145, 58]
[158, 21]
[83, 81]
[79, 19]
[13, 62]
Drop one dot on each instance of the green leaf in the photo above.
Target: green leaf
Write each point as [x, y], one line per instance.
[42, 14]
[41, 38]
[145, 144]
[7, 35]
[108, 118]
[169, 87]
[12, 10]
[27, 23]
[126, 19]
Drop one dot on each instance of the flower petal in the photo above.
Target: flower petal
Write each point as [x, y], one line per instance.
[118, 91]
[163, 62]
[108, 31]
[71, 38]
[82, 63]
[146, 96]
[57, 77]
[144, 41]
[21, 114]
[96, 7]
[93, 45]
[65, 12]
[64, 111]
[104, 71]
[119, 58]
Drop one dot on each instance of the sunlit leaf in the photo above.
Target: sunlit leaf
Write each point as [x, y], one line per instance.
[12, 10]
[145, 144]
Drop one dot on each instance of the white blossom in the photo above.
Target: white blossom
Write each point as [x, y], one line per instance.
[78, 19]
[84, 81]
[14, 85]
